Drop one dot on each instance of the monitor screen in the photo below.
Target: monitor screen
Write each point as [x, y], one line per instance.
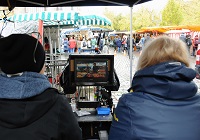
[94, 70]
[91, 70]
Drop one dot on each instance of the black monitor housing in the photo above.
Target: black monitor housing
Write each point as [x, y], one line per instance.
[91, 70]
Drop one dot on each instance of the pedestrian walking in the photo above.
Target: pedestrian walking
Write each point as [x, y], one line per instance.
[195, 45]
[101, 44]
[93, 42]
[147, 39]
[123, 44]
[128, 45]
[106, 46]
[83, 44]
[188, 42]
[72, 45]
[141, 43]
[66, 45]
[46, 45]
[182, 37]
[119, 44]
[115, 43]
[79, 45]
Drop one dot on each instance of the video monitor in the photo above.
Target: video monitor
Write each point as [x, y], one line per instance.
[91, 70]
[94, 70]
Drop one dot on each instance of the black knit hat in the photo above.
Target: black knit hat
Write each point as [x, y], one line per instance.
[19, 53]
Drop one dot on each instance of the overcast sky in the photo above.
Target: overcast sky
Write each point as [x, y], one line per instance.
[157, 5]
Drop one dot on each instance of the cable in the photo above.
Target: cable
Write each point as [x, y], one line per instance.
[5, 15]
[8, 13]
[4, 11]
[4, 22]
[3, 27]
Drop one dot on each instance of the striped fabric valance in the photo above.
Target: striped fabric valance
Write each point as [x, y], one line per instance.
[93, 20]
[49, 18]
[62, 18]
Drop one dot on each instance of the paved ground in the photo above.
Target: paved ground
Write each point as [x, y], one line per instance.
[122, 66]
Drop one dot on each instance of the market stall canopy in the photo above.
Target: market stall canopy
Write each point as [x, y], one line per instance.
[83, 28]
[121, 32]
[177, 31]
[191, 27]
[62, 18]
[48, 18]
[58, 3]
[93, 20]
[161, 29]
[164, 29]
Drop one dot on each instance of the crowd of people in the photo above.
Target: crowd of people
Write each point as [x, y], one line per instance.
[192, 43]
[74, 44]
[139, 41]
[122, 44]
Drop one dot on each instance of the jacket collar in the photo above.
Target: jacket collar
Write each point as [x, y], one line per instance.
[171, 80]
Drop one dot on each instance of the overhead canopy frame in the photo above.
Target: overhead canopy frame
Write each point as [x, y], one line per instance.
[59, 3]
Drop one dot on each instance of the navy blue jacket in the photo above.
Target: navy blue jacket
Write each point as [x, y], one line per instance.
[118, 42]
[164, 105]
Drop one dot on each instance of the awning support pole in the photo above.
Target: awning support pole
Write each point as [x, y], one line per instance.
[131, 46]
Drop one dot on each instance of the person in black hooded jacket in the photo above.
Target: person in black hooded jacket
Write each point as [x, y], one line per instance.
[30, 109]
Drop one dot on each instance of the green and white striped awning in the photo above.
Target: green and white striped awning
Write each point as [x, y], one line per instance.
[93, 20]
[49, 18]
[62, 18]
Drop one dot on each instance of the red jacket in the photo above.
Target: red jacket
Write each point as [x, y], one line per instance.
[72, 43]
[195, 41]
